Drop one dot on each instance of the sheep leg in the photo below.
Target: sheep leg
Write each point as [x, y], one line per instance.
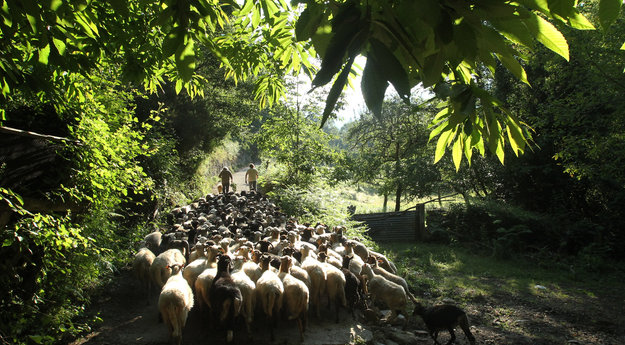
[301, 328]
[434, 336]
[272, 323]
[463, 321]
[453, 335]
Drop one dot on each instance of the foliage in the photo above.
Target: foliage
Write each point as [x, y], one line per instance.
[448, 46]
[47, 262]
[318, 202]
[390, 151]
[57, 258]
[506, 231]
[577, 115]
[293, 138]
[152, 42]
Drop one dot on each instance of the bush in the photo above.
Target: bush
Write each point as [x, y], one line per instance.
[316, 202]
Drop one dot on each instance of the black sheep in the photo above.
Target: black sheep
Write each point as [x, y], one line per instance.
[225, 296]
[352, 285]
[444, 317]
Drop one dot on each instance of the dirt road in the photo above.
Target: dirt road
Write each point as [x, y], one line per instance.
[127, 319]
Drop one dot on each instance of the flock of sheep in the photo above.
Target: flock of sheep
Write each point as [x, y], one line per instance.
[238, 255]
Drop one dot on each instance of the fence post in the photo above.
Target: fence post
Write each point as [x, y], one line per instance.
[420, 222]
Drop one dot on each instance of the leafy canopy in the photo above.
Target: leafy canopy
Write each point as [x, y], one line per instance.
[449, 46]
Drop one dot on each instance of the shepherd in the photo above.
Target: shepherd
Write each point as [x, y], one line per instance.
[226, 179]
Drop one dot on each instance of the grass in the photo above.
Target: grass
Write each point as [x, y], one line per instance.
[442, 271]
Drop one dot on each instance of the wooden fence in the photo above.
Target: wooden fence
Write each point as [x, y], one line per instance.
[395, 226]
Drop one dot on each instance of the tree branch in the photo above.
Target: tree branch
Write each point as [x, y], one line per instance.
[29, 134]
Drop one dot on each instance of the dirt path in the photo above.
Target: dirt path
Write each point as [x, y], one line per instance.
[127, 319]
[238, 178]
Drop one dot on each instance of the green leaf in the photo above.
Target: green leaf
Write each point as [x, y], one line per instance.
[185, 59]
[395, 72]
[548, 35]
[514, 66]
[172, 42]
[442, 127]
[44, 54]
[562, 8]
[60, 46]
[373, 86]
[308, 22]
[608, 12]
[578, 21]
[456, 152]
[442, 144]
[336, 90]
[249, 4]
[515, 30]
[80, 5]
[345, 26]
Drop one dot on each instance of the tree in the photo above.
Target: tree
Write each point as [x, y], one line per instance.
[291, 135]
[447, 46]
[444, 45]
[389, 150]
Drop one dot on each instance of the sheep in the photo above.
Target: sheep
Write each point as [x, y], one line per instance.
[296, 296]
[364, 253]
[331, 256]
[250, 267]
[318, 280]
[153, 241]
[392, 294]
[175, 302]
[247, 287]
[373, 262]
[269, 291]
[195, 268]
[141, 268]
[203, 285]
[160, 270]
[353, 285]
[444, 317]
[335, 285]
[225, 297]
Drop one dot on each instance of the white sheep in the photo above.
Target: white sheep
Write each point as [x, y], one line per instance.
[296, 295]
[335, 285]
[202, 286]
[373, 262]
[247, 287]
[269, 293]
[141, 268]
[317, 277]
[381, 289]
[175, 302]
[160, 270]
[196, 267]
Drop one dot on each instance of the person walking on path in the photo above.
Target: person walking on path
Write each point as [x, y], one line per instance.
[226, 178]
[251, 177]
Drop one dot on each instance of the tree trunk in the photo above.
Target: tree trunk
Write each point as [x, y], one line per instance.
[384, 208]
[398, 196]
